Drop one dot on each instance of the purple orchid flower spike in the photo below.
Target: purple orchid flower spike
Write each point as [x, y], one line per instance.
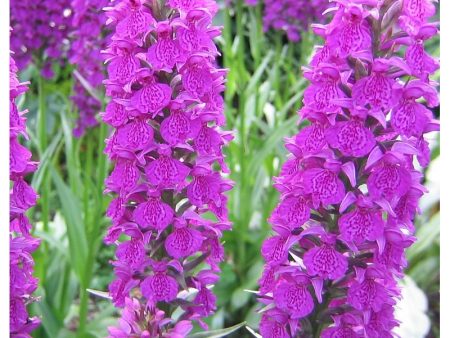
[289, 16]
[167, 111]
[40, 32]
[22, 198]
[351, 185]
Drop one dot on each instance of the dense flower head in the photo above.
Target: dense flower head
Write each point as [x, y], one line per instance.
[352, 182]
[41, 30]
[292, 17]
[87, 40]
[169, 210]
[22, 197]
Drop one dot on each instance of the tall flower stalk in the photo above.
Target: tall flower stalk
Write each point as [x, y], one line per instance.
[169, 210]
[22, 198]
[351, 185]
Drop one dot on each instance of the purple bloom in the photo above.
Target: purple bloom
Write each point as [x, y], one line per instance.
[183, 241]
[325, 262]
[291, 16]
[361, 224]
[136, 323]
[293, 297]
[349, 32]
[152, 97]
[351, 186]
[273, 324]
[389, 180]
[22, 198]
[41, 31]
[134, 24]
[324, 186]
[167, 110]
[351, 138]
[159, 287]
[375, 90]
[274, 250]
[293, 211]
[87, 39]
[166, 52]
[415, 14]
[153, 213]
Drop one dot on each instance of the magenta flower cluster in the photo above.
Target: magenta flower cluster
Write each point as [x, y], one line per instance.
[22, 197]
[351, 185]
[87, 40]
[169, 210]
[41, 31]
[291, 16]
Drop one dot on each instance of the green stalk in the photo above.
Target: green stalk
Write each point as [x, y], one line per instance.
[93, 215]
[276, 82]
[228, 60]
[243, 205]
[256, 33]
[241, 36]
[84, 282]
[83, 310]
[42, 115]
[102, 162]
[44, 193]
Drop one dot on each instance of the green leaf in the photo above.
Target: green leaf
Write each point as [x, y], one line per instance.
[256, 77]
[254, 334]
[72, 213]
[239, 298]
[427, 234]
[45, 160]
[65, 333]
[217, 333]
[271, 142]
[101, 294]
[51, 325]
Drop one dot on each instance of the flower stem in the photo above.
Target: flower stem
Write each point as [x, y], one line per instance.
[42, 135]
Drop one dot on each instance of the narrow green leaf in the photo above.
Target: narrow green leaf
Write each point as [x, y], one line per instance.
[271, 141]
[49, 322]
[72, 213]
[217, 333]
[249, 329]
[427, 234]
[256, 77]
[45, 160]
[101, 294]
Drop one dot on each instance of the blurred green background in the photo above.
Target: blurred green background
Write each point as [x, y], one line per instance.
[264, 91]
